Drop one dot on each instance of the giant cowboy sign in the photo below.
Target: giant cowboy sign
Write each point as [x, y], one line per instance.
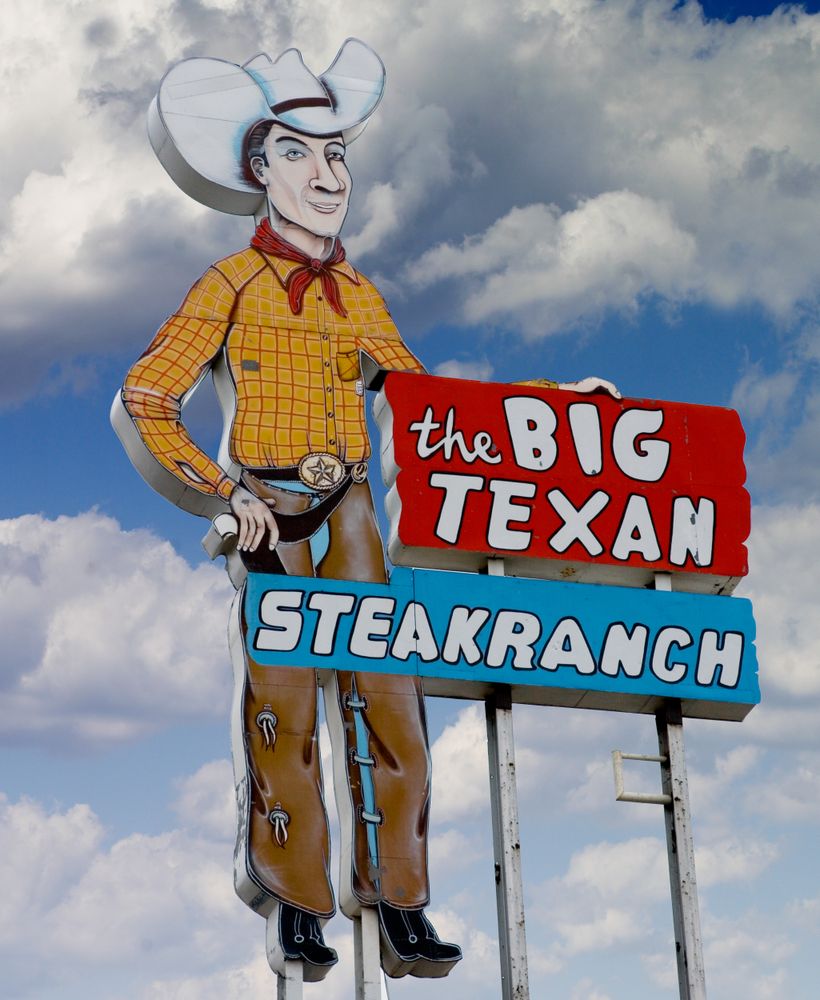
[283, 327]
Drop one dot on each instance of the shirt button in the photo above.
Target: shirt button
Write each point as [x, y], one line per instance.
[332, 441]
[330, 414]
[327, 364]
[328, 389]
[319, 297]
[324, 336]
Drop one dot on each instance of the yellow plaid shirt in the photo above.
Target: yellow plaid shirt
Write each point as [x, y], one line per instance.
[297, 377]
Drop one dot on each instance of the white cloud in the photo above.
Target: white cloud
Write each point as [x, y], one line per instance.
[586, 990]
[454, 368]
[206, 800]
[107, 633]
[790, 793]
[421, 160]
[73, 905]
[480, 963]
[460, 784]
[547, 269]
[654, 153]
[450, 851]
[784, 577]
[41, 855]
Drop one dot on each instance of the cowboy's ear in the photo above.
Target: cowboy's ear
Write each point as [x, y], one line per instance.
[257, 163]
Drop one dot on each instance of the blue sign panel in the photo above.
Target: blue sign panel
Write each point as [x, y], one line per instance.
[554, 643]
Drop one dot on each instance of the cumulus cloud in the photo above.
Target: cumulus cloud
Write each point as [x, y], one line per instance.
[608, 153]
[780, 408]
[108, 634]
[547, 270]
[206, 800]
[479, 371]
[460, 785]
[69, 897]
[791, 793]
[784, 577]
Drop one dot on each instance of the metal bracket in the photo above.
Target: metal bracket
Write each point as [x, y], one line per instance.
[618, 758]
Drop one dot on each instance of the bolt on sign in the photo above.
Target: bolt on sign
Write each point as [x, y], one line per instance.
[563, 486]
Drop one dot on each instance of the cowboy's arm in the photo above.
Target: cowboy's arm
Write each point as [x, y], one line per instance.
[383, 342]
[147, 413]
[147, 410]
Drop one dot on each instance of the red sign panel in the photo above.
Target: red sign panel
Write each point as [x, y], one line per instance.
[563, 485]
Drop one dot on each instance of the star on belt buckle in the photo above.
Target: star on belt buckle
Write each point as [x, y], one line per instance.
[321, 471]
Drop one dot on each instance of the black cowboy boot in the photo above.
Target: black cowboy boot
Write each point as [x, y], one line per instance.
[294, 935]
[410, 945]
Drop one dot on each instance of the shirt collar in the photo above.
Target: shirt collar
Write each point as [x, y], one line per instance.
[284, 268]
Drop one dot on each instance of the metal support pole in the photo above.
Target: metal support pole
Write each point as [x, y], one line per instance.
[366, 955]
[289, 986]
[680, 844]
[509, 887]
[681, 850]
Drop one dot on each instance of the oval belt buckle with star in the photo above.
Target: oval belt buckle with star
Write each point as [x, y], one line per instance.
[321, 471]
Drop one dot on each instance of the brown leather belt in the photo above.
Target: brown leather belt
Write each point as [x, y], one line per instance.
[296, 519]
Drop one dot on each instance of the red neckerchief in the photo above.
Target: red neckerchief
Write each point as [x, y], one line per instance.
[300, 278]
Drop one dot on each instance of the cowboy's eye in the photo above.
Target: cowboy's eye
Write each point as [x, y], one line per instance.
[294, 154]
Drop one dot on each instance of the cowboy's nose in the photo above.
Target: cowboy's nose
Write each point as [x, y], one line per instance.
[326, 180]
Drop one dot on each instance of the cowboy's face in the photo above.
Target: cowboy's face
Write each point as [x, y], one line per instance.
[306, 178]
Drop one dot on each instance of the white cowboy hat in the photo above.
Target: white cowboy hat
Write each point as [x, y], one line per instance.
[198, 121]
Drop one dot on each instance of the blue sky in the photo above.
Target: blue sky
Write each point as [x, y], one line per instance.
[555, 188]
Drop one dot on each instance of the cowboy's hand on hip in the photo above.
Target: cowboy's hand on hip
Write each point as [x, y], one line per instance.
[255, 518]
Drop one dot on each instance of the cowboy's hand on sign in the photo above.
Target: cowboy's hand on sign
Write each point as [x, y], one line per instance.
[591, 384]
[254, 517]
[586, 385]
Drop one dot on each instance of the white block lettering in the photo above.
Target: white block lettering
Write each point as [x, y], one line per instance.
[693, 530]
[331, 607]
[516, 630]
[647, 460]
[568, 647]
[372, 618]
[728, 657]
[414, 635]
[464, 626]
[503, 511]
[636, 532]
[624, 650]
[456, 486]
[585, 424]
[661, 667]
[531, 424]
[284, 627]
[576, 522]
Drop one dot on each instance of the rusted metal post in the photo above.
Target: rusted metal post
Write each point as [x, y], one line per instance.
[680, 843]
[512, 941]
[681, 849]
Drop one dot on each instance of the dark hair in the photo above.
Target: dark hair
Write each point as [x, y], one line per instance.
[253, 146]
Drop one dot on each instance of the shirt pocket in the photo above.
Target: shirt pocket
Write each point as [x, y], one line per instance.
[347, 362]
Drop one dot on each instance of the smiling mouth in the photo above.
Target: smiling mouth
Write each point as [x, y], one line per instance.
[325, 207]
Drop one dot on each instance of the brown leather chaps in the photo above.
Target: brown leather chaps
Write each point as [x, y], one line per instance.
[381, 756]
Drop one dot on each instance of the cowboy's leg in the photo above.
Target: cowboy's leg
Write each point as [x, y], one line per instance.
[283, 848]
[378, 724]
